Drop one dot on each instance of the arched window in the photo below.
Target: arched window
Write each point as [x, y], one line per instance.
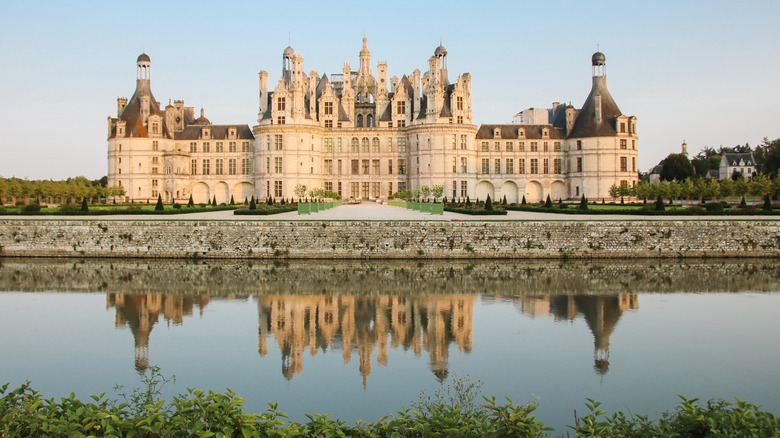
[370, 121]
[355, 146]
[364, 145]
[375, 145]
[360, 120]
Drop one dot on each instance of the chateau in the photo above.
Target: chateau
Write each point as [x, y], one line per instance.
[367, 136]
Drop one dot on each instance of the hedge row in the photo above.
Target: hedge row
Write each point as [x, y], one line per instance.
[25, 413]
[264, 210]
[475, 211]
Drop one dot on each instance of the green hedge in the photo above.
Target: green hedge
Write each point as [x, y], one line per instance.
[24, 412]
[649, 210]
[113, 210]
[475, 211]
[264, 210]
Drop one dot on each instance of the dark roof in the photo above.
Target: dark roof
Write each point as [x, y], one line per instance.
[586, 124]
[143, 57]
[509, 132]
[342, 113]
[131, 114]
[733, 158]
[218, 132]
[387, 114]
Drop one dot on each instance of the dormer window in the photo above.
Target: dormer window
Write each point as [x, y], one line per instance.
[545, 133]
[205, 133]
[521, 133]
[232, 133]
[496, 133]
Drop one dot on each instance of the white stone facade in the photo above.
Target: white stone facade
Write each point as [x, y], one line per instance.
[367, 137]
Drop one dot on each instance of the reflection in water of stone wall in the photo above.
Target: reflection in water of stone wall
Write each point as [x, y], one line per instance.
[501, 278]
[368, 325]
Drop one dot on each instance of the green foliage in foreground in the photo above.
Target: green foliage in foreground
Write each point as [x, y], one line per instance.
[451, 411]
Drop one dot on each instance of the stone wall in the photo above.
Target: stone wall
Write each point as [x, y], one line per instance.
[388, 240]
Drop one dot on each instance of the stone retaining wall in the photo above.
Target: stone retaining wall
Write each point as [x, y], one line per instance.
[388, 240]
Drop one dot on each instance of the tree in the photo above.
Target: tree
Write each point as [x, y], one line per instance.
[767, 203]
[659, 204]
[583, 203]
[190, 203]
[231, 200]
[676, 166]
[300, 190]
[761, 186]
[488, 204]
[614, 191]
[548, 203]
[213, 201]
[438, 191]
[767, 155]
[523, 201]
[711, 189]
[159, 206]
[727, 188]
[425, 192]
[741, 187]
[252, 204]
[84, 206]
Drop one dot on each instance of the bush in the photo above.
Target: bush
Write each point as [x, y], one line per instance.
[548, 203]
[714, 207]
[159, 205]
[68, 209]
[176, 206]
[659, 204]
[31, 209]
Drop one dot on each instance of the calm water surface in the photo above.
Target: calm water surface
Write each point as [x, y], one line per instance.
[361, 340]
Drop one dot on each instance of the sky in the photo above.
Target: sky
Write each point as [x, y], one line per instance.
[701, 71]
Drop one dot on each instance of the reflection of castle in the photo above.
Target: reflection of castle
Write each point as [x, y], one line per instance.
[363, 323]
[142, 311]
[601, 312]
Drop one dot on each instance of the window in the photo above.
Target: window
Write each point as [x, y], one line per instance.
[277, 189]
[232, 166]
[485, 165]
[219, 147]
[375, 167]
[460, 120]
[365, 167]
[545, 146]
[400, 107]
[534, 166]
[154, 170]
[218, 167]
[206, 147]
[401, 170]
[558, 166]
[365, 190]
[546, 166]
[454, 189]
[328, 167]
[459, 103]
[497, 147]
[278, 142]
[623, 143]
[622, 126]
[633, 164]
[327, 145]
[155, 160]
[355, 167]
[194, 167]
[329, 123]
[402, 123]
[281, 104]
[390, 167]
[497, 168]
[245, 166]
[328, 108]
[338, 145]
[277, 164]
[463, 165]
[463, 142]
[624, 164]
[374, 189]
[155, 145]
[375, 145]
[280, 120]
[206, 167]
[155, 128]
[557, 146]
[268, 164]
[485, 147]
[579, 164]
[354, 147]
[521, 166]
[510, 166]
[402, 145]
[534, 146]
[521, 146]
[510, 146]
[364, 145]
[633, 144]
[454, 142]
[579, 145]
[463, 189]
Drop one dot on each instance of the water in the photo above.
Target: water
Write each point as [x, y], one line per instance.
[361, 340]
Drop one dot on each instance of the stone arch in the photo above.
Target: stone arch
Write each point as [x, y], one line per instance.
[511, 191]
[558, 191]
[243, 190]
[201, 193]
[485, 188]
[222, 192]
[534, 192]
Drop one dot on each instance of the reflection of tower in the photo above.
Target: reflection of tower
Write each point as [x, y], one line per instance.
[364, 323]
[601, 313]
[142, 311]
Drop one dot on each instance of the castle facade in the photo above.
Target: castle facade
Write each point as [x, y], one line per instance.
[367, 136]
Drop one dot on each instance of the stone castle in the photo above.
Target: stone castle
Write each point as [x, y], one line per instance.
[367, 136]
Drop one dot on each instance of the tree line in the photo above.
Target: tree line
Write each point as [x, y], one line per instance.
[701, 188]
[679, 167]
[49, 191]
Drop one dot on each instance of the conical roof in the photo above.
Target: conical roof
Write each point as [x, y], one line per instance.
[587, 123]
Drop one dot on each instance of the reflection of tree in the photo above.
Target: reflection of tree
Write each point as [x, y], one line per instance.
[363, 324]
[142, 311]
[601, 313]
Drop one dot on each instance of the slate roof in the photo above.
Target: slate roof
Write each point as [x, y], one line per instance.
[509, 132]
[733, 159]
[218, 132]
[586, 124]
[131, 114]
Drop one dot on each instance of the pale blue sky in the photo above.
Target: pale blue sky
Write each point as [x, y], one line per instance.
[704, 71]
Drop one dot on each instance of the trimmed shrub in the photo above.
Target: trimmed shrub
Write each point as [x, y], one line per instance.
[159, 205]
[583, 203]
[84, 205]
[548, 203]
[714, 207]
[190, 204]
[488, 204]
[767, 204]
[659, 204]
[31, 209]
[523, 201]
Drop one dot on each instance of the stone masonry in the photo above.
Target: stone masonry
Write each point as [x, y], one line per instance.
[388, 239]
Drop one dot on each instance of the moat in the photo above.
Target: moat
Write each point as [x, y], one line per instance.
[362, 339]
